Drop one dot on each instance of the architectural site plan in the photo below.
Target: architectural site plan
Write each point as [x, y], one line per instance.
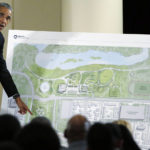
[105, 77]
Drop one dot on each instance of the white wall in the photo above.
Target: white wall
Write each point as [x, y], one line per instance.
[37, 15]
[92, 16]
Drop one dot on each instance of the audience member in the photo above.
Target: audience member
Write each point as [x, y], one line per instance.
[76, 132]
[9, 126]
[117, 137]
[41, 119]
[125, 123]
[129, 142]
[80, 135]
[38, 136]
[99, 137]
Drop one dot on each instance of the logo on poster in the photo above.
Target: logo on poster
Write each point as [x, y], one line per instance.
[20, 36]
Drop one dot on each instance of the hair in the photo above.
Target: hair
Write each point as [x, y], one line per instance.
[117, 137]
[129, 142]
[9, 126]
[38, 136]
[6, 5]
[9, 145]
[125, 123]
[77, 128]
[99, 137]
[41, 120]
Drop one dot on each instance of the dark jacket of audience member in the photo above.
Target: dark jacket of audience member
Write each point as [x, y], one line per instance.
[9, 126]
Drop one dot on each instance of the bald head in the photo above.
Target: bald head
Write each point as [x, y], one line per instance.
[77, 128]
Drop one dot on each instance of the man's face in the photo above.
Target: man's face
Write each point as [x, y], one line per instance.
[5, 17]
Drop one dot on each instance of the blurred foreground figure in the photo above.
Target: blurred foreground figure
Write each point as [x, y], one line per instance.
[9, 126]
[9, 145]
[116, 134]
[125, 123]
[76, 131]
[41, 119]
[129, 142]
[38, 136]
[99, 137]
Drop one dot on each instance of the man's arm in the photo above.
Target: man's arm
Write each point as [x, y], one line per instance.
[11, 90]
[10, 87]
[5, 77]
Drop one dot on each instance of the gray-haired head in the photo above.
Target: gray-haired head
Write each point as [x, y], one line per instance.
[6, 5]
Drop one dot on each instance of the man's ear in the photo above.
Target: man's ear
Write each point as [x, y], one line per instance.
[65, 133]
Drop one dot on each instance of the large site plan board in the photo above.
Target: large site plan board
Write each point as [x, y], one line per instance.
[102, 76]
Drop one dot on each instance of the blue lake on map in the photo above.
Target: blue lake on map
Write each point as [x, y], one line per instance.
[73, 60]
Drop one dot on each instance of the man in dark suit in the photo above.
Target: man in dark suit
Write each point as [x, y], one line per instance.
[5, 77]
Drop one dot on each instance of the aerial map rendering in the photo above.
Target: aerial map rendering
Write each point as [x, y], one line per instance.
[102, 82]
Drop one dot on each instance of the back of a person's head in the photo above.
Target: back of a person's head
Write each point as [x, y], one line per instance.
[9, 145]
[9, 126]
[41, 120]
[125, 123]
[38, 136]
[99, 137]
[77, 128]
[129, 142]
[116, 133]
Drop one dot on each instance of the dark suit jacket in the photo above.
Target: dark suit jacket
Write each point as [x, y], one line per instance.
[5, 76]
